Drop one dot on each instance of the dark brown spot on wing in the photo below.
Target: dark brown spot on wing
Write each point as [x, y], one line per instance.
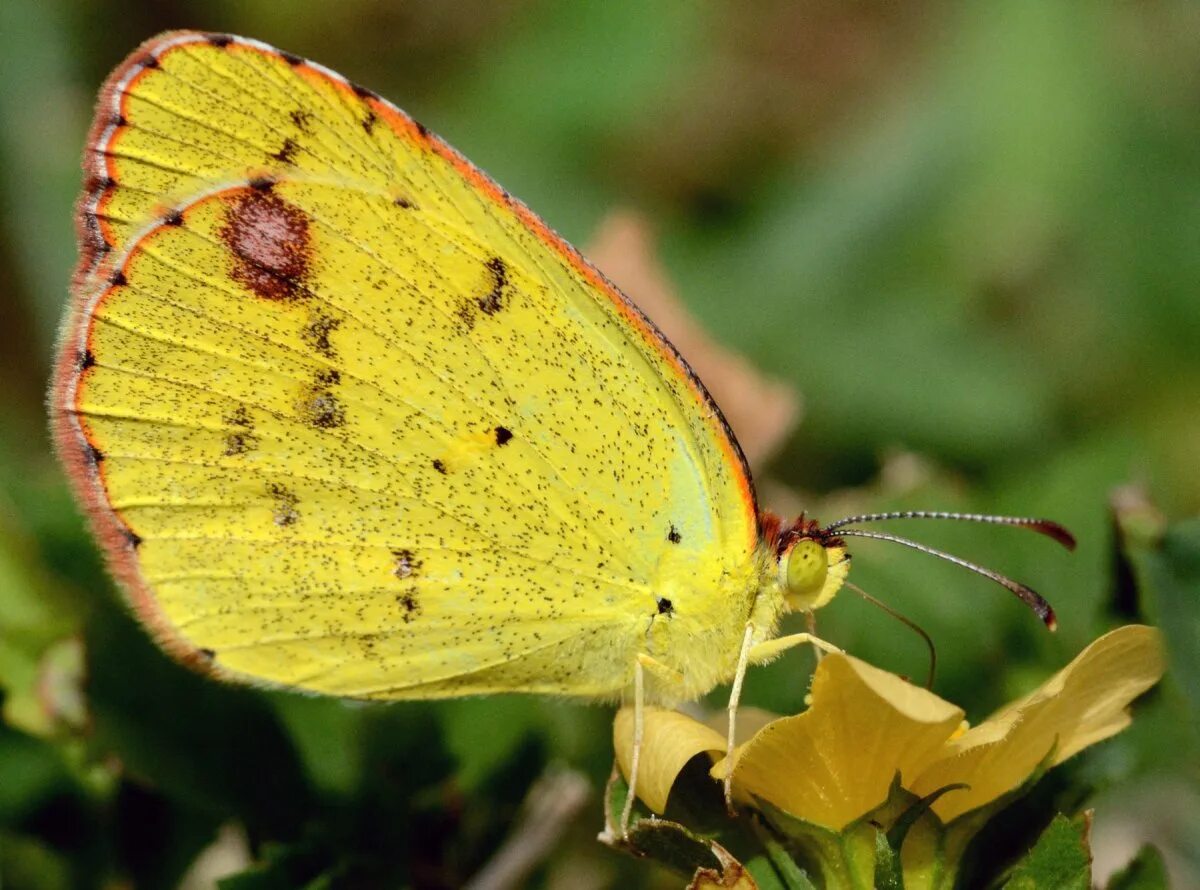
[369, 121]
[440, 466]
[241, 417]
[319, 406]
[240, 440]
[302, 120]
[410, 605]
[270, 242]
[503, 435]
[286, 510]
[673, 535]
[240, 443]
[316, 334]
[466, 315]
[493, 301]
[287, 152]
[407, 563]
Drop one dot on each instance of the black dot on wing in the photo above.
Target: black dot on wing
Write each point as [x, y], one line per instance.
[86, 360]
[439, 466]
[149, 61]
[261, 183]
[503, 435]
[173, 218]
[292, 59]
[219, 40]
[134, 539]
[369, 121]
[118, 279]
[94, 454]
[665, 607]
[673, 535]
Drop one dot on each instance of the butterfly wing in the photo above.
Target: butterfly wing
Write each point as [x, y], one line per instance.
[351, 419]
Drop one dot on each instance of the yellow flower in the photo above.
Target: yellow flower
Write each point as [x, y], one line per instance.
[866, 729]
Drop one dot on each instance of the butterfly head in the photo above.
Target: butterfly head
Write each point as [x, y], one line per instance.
[813, 564]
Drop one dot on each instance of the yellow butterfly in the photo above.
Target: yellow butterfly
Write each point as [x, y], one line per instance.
[349, 418]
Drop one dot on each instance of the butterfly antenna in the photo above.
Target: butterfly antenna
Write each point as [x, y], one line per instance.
[1041, 526]
[903, 619]
[1027, 595]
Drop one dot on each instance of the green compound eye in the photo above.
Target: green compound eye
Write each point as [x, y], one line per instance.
[807, 567]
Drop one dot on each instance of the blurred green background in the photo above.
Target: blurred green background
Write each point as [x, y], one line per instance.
[968, 234]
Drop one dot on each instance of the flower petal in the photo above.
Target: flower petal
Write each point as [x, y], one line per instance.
[836, 761]
[669, 741]
[1082, 704]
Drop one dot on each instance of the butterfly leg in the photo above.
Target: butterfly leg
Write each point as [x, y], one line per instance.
[765, 651]
[757, 653]
[735, 695]
[639, 725]
[661, 671]
[810, 622]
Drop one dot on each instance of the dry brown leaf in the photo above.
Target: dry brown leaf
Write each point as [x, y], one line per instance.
[761, 411]
[733, 875]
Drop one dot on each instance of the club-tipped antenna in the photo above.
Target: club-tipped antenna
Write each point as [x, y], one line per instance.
[1027, 595]
[903, 619]
[1042, 526]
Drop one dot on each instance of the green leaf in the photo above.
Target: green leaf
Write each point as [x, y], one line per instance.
[28, 863]
[889, 874]
[1167, 568]
[672, 845]
[218, 748]
[1061, 859]
[281, 868]
[791, 875]
[1145, 872]
[39, 669]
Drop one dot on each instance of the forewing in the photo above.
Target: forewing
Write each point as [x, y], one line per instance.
[351, 419]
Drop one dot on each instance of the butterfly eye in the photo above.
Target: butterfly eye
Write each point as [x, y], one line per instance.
[805, 568]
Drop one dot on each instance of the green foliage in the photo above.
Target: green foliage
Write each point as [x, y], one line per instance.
[1061, 860]
[960, 232]
[1145, 872]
